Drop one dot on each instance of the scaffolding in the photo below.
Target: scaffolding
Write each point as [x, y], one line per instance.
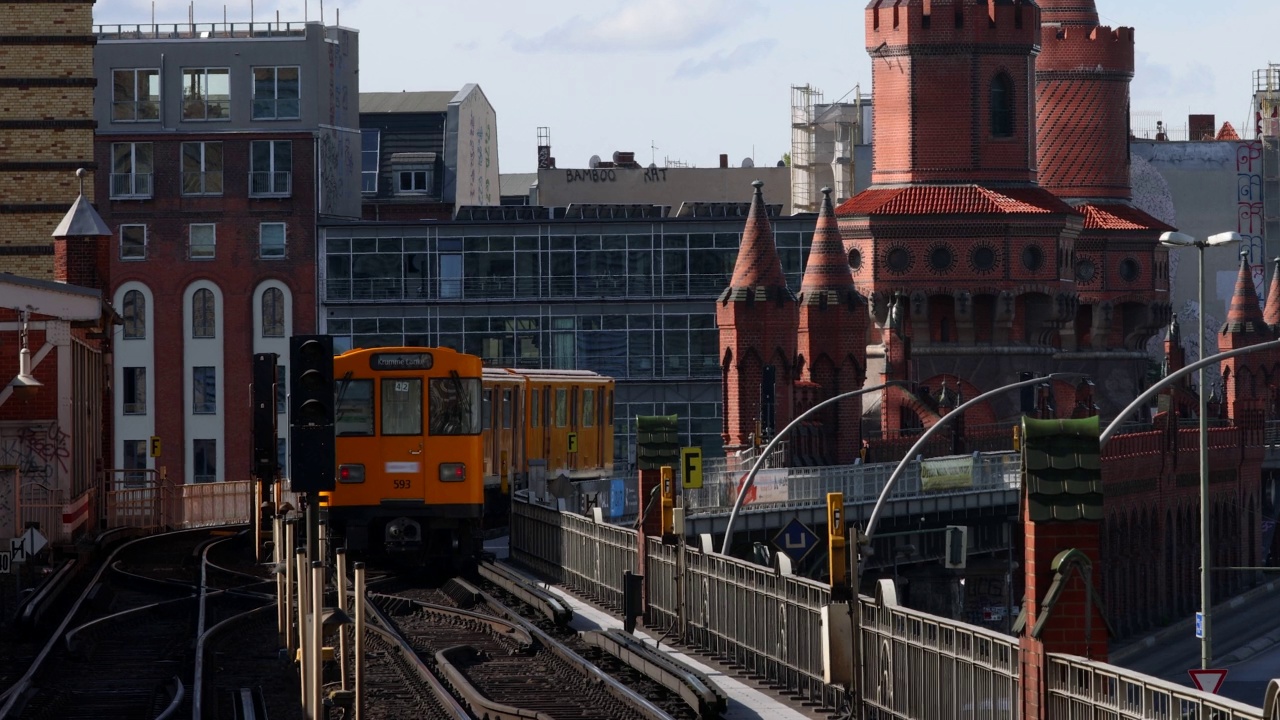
[823, 136]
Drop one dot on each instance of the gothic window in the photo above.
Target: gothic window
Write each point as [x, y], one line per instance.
[1001, 106]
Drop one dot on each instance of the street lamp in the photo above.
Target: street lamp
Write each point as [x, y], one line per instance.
[750, 479]
[1180, 240]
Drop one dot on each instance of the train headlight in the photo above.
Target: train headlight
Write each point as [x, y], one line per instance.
[351, 473]
[453, 472]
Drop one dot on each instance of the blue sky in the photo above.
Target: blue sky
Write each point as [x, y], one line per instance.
[697, 78]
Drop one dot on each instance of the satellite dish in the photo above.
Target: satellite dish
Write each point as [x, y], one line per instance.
[653, 166]
[594, 161]
[781, 163]
[748, 163]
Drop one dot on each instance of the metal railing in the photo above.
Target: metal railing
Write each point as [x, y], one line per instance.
[198, 30]
[270, 184]
[792, 487]
[1080, 688]
[915, 665]
[130, 185]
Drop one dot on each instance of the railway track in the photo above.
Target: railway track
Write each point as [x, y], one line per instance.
[125, 647]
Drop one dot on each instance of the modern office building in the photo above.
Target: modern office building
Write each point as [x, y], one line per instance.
[222, 146]
[625, 290]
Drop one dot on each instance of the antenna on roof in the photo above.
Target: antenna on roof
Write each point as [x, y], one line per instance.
[594, 161]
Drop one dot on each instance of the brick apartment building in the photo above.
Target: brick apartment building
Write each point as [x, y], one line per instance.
[222, 145]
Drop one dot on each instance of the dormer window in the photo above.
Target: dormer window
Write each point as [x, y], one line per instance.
[1001, 106]
[414, 172]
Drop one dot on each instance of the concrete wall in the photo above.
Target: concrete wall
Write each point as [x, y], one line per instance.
[558, 187]
[471, 149]
[1203, 188]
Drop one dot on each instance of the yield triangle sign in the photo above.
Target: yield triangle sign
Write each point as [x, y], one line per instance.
[1209, 681]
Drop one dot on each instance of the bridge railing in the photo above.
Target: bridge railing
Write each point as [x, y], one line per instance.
[1084, 688]
[577, 551]
[786, 487]
[917, 665]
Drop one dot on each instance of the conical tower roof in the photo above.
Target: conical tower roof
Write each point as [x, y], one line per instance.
[828, 267]
[1245, 316]
[758, 264]
[1272, 312]
[1069, 12]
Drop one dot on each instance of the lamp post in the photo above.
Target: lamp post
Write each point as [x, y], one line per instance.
[1180, 240]
[759, 463]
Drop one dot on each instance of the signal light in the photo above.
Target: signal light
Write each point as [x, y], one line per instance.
[351, 473]
[311, 398]
[265, 464]
[453, 472]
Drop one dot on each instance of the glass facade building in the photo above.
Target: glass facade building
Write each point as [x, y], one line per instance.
[633, 298]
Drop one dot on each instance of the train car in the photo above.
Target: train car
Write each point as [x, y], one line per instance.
[410, 478]
[558, 423]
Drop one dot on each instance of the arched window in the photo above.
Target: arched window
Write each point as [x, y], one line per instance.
[203, 314]
[1001, 106]
[272, 313]
[135, 315]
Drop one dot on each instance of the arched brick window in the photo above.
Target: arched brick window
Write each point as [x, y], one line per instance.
[203, 314]
[272, 313]
[1001, 106]
[135, 315]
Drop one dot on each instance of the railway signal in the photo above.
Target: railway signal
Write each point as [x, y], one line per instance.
[264, 417]
[311, 400]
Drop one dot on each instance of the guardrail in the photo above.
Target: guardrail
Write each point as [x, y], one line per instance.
[915, 665]
[792, 487]
[1083, 688]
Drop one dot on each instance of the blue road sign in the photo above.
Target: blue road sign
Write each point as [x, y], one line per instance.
[796, 540]
[1200, 625]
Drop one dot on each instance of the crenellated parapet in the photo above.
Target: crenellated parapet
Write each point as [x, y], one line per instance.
[1095, 53]
[923, 23]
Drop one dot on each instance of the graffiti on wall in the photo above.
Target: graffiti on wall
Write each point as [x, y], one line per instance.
[41, 454]
[1249, 209]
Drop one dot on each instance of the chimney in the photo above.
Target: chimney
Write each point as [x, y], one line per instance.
[724, 160]
[81, 248]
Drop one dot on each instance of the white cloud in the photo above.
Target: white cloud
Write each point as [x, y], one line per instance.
[642, 25]
[723, 62]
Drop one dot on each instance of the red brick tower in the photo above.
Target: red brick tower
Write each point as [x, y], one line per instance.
[1082, 104]
[756, 315]
[954, 220]
[1245, 377]
[833, 337]
[1271, 315]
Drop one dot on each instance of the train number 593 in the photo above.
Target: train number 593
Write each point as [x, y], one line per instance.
[400, 484]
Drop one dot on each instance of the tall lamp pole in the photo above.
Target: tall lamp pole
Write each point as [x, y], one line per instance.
[1180, 240]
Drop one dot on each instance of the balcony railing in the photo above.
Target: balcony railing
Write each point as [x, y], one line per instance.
[130, 185]
[202, 183]
[270, 184]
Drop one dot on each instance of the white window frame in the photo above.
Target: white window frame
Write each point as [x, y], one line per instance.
[141, 254]
[272, 252]
[132, 184]
[203, 97]
[135, 105]
[139, 384]
[367, 175]
[203, 250]
[412, 171]
[210, 450]
[274, 99]
[210, 407]
[203, 174]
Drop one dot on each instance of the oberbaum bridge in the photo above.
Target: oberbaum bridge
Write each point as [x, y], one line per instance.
[949, 563]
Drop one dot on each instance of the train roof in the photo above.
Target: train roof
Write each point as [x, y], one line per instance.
[497, 373]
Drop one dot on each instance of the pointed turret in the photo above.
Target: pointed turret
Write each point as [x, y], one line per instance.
[833, 337]
[758, 265]
[1245, 315]
[1272, 313]
[756, 315]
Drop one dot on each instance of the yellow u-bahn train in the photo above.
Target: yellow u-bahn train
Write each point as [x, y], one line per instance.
[429, 443]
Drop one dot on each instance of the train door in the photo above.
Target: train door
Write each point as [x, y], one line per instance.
[402, 413]
[573, 425]
[507, 444]
[486, 429]
[518, 463]
[600, 432]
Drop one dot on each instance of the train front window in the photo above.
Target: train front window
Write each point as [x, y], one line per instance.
[453, 406]
[402, 406]
[353, 409]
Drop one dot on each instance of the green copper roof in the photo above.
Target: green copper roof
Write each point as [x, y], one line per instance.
[1062, 469]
